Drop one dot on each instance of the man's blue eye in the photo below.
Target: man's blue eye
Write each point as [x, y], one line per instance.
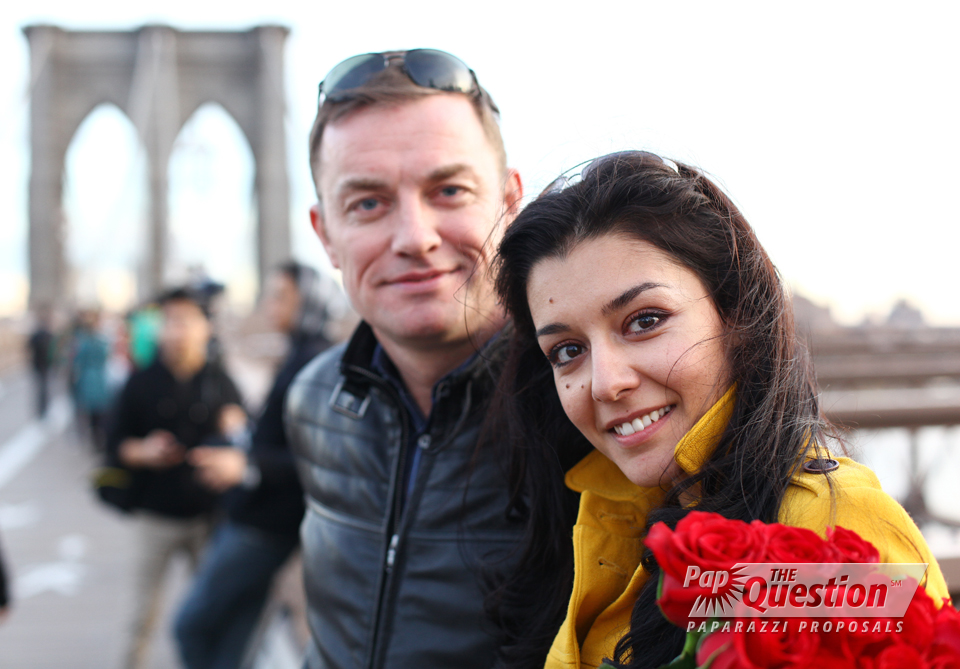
[450, 191]
[368, 204]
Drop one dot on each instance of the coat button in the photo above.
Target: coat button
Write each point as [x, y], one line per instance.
[423, 441]
[820, 466]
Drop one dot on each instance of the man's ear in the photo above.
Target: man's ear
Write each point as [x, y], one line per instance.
[316, 220]
[512, 194]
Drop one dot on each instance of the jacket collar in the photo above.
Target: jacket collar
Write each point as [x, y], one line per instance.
[359, 352]
[598, 474]
[482, 369]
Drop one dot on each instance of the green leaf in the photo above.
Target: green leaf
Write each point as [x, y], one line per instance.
[687, 659]
[691, 642]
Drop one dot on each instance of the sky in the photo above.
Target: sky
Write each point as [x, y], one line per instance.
[833, 125]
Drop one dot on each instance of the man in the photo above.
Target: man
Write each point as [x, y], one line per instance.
[41, 348]
[265, 504]
[4, 591]
[403, 511]
[177, 403]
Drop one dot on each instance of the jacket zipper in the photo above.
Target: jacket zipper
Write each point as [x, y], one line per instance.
[392, 552]
[394, 512]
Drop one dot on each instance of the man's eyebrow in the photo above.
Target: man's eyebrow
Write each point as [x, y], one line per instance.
[370, 184]
[448, 171]
[360, 183]
[627, 296]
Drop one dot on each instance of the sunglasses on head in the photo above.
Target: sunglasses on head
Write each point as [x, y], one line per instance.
[428, 68]
[569, 178]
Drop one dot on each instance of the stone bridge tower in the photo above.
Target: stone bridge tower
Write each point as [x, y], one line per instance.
[158, 76]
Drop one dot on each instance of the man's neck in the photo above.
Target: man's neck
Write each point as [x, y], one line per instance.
[421, 367]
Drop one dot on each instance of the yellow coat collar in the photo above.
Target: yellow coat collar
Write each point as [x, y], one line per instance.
[607, 544]
[598, 474]
[607, 539]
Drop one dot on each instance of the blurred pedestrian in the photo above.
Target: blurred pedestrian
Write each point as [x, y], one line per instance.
[4, 590]
[144, 331]
[91, 393]
[177, 403]
[265, 502]
[41, 348]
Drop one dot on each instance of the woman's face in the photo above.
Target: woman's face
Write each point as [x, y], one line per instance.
[636, 346]
[282, 301]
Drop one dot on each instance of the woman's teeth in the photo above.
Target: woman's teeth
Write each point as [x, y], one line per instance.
[638, 424]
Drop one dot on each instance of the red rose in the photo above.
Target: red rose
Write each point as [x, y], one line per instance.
[860, 639]
[919, 643]
[899, 656]
[719, 645]
[946, 629]
[676, 601]
[831, 658]
[707, 540]
[786, 544]
[849, 547]
[942, 657]
[785, 647]
[918, 620]
[696, 560]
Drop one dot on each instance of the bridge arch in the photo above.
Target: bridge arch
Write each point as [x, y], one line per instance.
[158, 76]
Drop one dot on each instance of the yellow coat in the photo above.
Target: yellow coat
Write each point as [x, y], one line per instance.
[607, 547]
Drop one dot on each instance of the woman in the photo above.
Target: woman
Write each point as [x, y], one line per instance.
[91, 392]
[652, 326]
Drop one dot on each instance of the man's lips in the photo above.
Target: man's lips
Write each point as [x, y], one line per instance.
[421, 276]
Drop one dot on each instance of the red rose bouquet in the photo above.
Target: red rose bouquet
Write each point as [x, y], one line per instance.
[756, 595]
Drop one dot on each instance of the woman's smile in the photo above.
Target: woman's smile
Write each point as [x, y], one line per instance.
[636, 345]
[629, 427]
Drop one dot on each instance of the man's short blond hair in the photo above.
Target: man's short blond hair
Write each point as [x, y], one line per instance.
[391, 87]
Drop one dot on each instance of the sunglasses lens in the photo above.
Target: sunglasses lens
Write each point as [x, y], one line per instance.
[556, 186]
[438, 69]
[352, 72]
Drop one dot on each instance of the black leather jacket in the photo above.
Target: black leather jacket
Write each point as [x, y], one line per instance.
[385, 587]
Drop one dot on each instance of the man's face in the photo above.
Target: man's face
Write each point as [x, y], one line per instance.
[186, 332]
[411, 197]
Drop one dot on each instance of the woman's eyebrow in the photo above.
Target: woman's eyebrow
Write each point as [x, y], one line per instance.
[627, 296]
[610, 307]
[553, 328]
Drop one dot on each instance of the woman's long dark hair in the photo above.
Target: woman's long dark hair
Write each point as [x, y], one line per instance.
[776, 415]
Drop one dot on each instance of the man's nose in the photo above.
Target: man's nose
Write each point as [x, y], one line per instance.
[415, 232]
[613, 377]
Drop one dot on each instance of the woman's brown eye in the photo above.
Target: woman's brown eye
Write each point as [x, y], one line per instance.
[643, 322]
[564, 353]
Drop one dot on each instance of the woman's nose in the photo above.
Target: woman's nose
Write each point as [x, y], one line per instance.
[612, 375]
